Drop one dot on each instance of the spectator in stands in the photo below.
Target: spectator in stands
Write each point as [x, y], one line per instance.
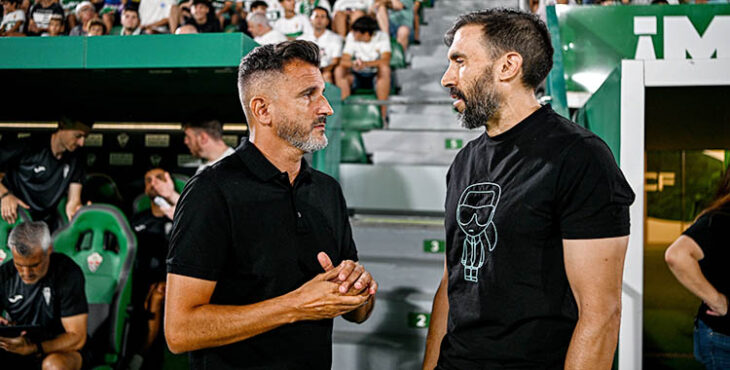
[204, 138]
[221, 11]
[154, 15]
[40, 16]
[95, 27]
[85, 12]
[417, 4]
[330, 43]
[400, 17]
[366, 56]
[306, 7]
[201, 20]
[347, 12]
[152, 228]
[259, 6]
[186, 30]
[130, 21]
[55, 27]
[45, 289]
[292, 25]
[69, 7]
[13, 19]
[261, 31]
[38, 171]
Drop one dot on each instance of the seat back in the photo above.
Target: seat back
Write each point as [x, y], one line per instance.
[142, 202]
[100, 188]
[100, 240]
[5, 229]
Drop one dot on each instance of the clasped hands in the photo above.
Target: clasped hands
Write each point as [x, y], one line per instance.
[336, 291]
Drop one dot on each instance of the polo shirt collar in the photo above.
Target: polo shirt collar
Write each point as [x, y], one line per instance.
[261, 167]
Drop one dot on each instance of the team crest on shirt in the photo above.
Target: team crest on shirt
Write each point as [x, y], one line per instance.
[475, 215]
[94, 261]
[47, 295]
[3, 256]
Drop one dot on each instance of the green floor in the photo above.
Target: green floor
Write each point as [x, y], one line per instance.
[669, 311]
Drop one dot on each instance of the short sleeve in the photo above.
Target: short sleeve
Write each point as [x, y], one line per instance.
[710, 231]
[701, 232]
[201, 234]
[349, 46]
[593, 197]
[73, 292]
[383, 43]
[337, 47]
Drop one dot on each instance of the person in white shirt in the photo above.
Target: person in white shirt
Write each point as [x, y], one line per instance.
[307, 6]
[330, 43]
[292, 25]
[154, 15]
[366, 56]
[13, 19]
[258, 26]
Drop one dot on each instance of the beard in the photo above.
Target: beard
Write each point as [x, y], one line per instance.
[482, 104]
[302, 137]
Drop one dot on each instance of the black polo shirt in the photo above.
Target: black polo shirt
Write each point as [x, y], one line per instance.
[242, 224]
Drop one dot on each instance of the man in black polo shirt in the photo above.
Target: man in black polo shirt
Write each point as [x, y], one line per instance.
[537, 215]
[38, 171]
[45, 289]
[252, 282]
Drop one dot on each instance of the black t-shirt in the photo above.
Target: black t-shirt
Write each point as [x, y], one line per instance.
[153, 237]
[35, 176]
[211, 24]
[42, 16]
[242, 224]
[57, 295]
[710, 232]
[511, 200]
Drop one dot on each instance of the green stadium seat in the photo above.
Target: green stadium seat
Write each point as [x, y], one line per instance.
[142, 202]
[353, 148]
[5, 229]
[397, 55]
[100, 240]
[361, 117]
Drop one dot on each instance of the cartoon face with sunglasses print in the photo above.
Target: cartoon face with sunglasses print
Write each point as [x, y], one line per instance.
[474, 214]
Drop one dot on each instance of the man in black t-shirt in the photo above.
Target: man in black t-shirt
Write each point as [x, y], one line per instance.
[201, 18]
[38, 171]
[40, 15]
[46, 289]
[252, 282]
[537, 215]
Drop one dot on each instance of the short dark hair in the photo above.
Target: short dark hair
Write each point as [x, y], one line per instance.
[324, 10]
[274, 57]
[212, 127]
[97, 22]
[259, 3]
[513, 30]
[365, 24]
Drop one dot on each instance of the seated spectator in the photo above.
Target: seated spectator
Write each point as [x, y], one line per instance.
[347, 12]
[259, 6]
[261, 31]
[130, 22]
[154, 15]
[37, 172]
[45, 289]
[152, 228]
[55, 27]
[201, 20]
[95, 27]
[85, 12]
[400, 20]
[13, 19]
[292, 25]
[69, 7]
[366, 55]
[330, 43]
[40, 14]
[220, 10]
[307, 6]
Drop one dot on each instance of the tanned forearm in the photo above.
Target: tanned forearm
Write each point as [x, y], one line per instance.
[683, 257]
[437, 327]
[217, 325]
[65, 342]
[594, 341]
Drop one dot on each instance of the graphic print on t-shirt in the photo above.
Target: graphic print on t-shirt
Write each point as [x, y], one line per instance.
[474, 215]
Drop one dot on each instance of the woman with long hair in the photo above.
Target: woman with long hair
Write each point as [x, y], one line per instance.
[700, 260]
